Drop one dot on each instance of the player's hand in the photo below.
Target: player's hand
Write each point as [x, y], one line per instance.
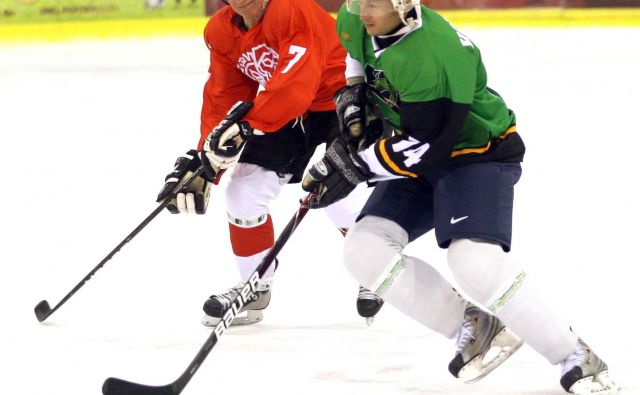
[222, 147]
[358, 126]
[335, 176]
[194, 199]
[351, 104]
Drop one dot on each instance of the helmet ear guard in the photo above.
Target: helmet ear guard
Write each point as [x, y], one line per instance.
[402, 7]
[379, 8]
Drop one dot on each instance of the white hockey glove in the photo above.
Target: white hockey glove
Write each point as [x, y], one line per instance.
[335, 176]
[222, 147]
[195, 198]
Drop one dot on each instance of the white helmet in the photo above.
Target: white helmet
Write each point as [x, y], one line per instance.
[383, 7]
[402, 7]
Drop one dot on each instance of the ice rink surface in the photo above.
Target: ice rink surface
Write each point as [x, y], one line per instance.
[89, 130]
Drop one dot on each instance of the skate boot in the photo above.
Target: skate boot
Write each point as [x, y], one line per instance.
[584, 373]
[479, 334]
[368, 304]
[215, 307]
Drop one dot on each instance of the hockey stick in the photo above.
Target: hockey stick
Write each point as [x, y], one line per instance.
[237, 111]
[43, 310]
[114, 386]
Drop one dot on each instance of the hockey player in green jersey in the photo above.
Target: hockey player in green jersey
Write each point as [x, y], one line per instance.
[450, 166]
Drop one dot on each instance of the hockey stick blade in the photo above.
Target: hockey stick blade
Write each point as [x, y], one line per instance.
[113, 386]
[42, 310]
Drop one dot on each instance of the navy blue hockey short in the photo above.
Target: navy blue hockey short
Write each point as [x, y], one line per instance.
[289, 150]
[470, 201]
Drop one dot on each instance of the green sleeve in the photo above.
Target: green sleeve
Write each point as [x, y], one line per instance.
[351, 33]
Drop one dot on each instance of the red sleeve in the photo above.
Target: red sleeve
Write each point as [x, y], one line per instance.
[226, 84]
[302, 53]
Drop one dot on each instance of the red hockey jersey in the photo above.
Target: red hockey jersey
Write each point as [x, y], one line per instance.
[293, 53]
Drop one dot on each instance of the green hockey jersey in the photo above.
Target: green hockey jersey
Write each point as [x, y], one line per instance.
[431, 84]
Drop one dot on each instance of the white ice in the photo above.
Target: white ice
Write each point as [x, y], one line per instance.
[89, 130]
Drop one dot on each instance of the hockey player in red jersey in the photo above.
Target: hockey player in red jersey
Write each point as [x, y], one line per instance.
[284, 57]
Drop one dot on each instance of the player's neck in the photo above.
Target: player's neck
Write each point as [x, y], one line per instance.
[250, 22]
[253, 16]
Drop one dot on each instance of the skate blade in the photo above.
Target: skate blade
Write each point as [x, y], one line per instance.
[251, 317]
[505, 342]
[369, 320]
[601, 385]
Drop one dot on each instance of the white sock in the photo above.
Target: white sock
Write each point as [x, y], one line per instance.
[372, 255]
[487, 274]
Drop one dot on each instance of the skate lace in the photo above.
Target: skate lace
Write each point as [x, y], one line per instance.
[578, 357]
[364, 293]
[465, 335]
[227, 298]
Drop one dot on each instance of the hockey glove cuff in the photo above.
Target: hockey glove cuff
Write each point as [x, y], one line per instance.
[335, 176]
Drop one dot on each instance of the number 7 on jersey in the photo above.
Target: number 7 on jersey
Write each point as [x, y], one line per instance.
[297, 51]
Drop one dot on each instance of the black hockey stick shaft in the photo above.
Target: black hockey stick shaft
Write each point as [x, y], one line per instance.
[114, 386]
[43, 310]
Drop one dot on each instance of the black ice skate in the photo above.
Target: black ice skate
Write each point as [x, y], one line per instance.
[584, 373]
[368, 304]
[480, 333]
[215, 307]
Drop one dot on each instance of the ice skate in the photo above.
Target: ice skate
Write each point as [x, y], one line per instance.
[483, 344]
[215, 307]
[584, 373]
[368, 304]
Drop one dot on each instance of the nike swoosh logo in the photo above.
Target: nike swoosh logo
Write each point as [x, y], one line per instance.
[456, 220]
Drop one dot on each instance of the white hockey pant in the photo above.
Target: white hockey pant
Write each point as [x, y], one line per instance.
[249, 193]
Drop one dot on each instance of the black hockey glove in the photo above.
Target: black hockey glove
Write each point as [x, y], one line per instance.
[335, 176]
[223, 145]
[358, 125]
[195, 198]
